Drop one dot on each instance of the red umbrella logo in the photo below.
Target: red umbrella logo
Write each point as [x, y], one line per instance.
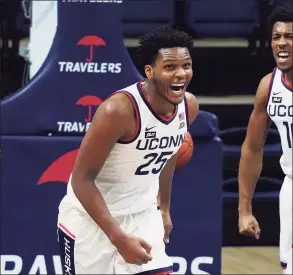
[60, 169]
[91, 41]
[89, 101]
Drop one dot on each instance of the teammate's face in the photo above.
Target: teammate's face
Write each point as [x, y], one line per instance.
[171, 73]
[282, 45]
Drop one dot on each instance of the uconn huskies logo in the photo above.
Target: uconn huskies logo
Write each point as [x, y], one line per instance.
[154, 162]
[280, 110]
[284, 111]
[152, 143]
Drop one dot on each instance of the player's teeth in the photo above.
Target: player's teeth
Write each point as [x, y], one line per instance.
[177, 91]
[177, 84]
[283, 54]
[177, 88]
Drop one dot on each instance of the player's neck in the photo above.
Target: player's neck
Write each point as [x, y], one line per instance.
[157, 101]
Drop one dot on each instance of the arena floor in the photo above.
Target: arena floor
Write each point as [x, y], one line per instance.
[250, 260]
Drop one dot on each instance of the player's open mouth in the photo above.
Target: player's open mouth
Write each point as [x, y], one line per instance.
[283, 56]
[177, 88]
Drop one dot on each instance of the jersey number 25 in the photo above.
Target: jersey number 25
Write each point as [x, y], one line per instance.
[156, 161]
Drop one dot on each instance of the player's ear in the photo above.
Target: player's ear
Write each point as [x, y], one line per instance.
[148, 71]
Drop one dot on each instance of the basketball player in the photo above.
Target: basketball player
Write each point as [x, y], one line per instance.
[109, 222]
[273, 103]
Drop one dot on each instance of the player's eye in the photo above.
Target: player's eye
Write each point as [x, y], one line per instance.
[187, 65]
[169, 67]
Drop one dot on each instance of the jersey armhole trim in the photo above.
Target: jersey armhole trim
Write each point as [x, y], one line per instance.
[186, 113]
[271, 82]
[137, 118]
[287, 85]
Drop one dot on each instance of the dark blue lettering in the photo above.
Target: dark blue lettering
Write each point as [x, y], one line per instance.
[280, 110]
[173, 141]
[155, 146]
[290, 111]
[272, 112]
[181, 139]
[162, 145]
[138, 147]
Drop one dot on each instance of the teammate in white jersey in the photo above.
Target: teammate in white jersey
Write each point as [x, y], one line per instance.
[273, 103]
[109, 221]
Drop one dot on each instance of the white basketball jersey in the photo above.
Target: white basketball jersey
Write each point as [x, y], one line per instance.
[280, 110]
[129, 179]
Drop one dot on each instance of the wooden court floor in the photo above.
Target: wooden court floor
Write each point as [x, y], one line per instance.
[250, 260]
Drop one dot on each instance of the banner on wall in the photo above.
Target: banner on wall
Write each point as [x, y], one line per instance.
[34, 178]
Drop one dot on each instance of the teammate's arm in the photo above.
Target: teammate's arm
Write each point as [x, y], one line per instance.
[193, 107]
[164, 198]
[113, 120]
[166, 176]
[251, 159]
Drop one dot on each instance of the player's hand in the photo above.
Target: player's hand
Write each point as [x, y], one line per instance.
[134, 250]
[168, 226]
[248, 225]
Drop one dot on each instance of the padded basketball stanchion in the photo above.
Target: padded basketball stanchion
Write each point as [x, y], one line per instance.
[87, 57]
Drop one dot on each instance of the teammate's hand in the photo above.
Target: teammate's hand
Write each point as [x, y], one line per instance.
[248, 225]
[168, 226]
[134, 250]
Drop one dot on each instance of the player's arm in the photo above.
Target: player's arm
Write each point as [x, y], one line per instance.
[252, 149]
[114, 119]
[111, 122]
[166, 176]
[193, 107]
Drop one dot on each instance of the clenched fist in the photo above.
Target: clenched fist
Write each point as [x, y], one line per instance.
[248, 225]
[134, 250]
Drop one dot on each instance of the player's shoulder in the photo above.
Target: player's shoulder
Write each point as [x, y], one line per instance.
[266, 80]
[263, 91]
[192, 105]
[118, 104]
[191, 98]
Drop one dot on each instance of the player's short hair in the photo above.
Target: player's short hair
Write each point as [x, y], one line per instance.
[280, 14]
[161, 38]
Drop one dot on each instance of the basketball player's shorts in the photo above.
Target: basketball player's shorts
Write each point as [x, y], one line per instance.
[286, 225]
[85, 249]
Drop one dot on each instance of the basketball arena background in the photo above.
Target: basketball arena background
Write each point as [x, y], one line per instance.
[56, 73]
